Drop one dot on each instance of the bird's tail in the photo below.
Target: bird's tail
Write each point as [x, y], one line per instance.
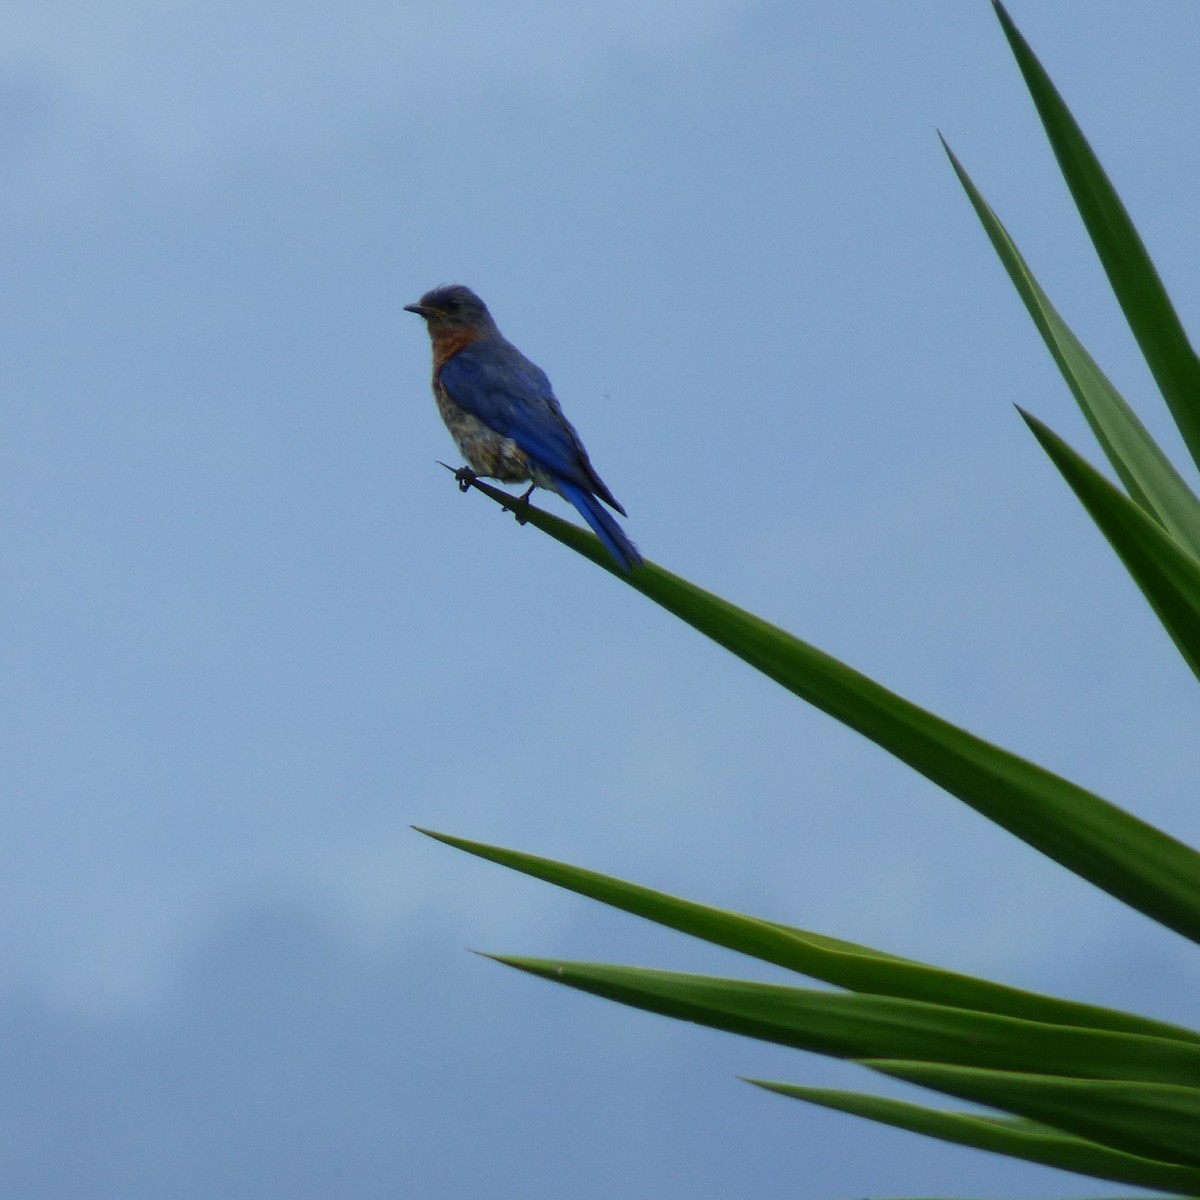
[604, 525]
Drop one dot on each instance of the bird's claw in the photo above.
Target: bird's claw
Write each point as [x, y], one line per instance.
[522, 503]
[464, 477]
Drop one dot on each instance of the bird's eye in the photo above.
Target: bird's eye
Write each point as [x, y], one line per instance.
[453, 304]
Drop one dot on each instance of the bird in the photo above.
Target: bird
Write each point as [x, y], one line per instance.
[502, 413]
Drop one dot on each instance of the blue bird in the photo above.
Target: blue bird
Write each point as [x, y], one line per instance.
[503, 414]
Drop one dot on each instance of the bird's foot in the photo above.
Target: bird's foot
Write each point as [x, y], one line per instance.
[521, 504]
[464, 477]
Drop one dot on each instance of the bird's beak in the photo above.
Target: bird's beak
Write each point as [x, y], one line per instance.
[422, 310]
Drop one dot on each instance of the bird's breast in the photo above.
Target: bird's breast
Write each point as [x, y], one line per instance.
[486, 451]
[447, 344]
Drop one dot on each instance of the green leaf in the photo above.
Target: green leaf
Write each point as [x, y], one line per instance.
[1130, 859]
[1015, 1138]
[1135, 282]
[842, 963]
[851, 1026]
[1168, 576]
[1143, 468]
[1154, 1120]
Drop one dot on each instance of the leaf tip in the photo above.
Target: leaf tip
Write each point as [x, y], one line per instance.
[444, 838]
[758, 1083]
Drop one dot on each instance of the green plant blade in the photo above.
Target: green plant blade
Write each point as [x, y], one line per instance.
[1015, 1138]
[845, 964]
[1135, 282]
[1168, 576]
[1147, 869]
[1157, 1121]
[850, 1026]
[1140, 463]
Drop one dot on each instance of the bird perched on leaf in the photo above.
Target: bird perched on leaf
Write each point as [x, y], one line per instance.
[503, 414]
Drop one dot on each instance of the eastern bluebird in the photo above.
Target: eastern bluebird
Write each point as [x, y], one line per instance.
[503, 414]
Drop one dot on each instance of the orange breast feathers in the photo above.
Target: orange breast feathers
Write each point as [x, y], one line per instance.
[446, 344]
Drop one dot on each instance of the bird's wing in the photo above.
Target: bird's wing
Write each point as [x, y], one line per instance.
[498, 384]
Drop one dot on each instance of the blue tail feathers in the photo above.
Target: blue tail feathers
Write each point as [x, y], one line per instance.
[604, 526]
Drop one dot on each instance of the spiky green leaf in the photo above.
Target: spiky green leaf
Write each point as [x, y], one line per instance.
[1168, 575]
[1115, 850]
[1133, 277]
[1014, 1137]
[851, 1026]
[1155, 1120]
[844, 964]
[1140, 463]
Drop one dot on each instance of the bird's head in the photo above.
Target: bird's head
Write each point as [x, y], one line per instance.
[452, 308]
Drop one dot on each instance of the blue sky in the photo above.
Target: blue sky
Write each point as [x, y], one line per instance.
[252, 632]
